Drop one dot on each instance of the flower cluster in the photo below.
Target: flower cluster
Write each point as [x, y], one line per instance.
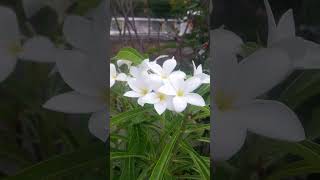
[162, 86]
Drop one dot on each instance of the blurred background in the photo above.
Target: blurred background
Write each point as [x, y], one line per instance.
[259, 157]
[162, 27]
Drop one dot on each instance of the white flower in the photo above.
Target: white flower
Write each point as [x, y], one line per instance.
[197, 72]
[140, 70]
[160, 101]
[89, 80]
[182, 92]
[141, 87]
[236, 87]
[303, 53]
[114, 76]
[164, 73]
[39, 49]
[85, 70]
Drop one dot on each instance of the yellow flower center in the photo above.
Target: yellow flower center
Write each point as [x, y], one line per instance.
[180, 92]
[163, 76]
[144, 91]
[162, 96]
[223, 101]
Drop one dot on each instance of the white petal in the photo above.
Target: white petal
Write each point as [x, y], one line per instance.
[177, 82]
[191, 84]
[260, 72]
[98, 125]
[169, 65]
[160, 107]
[160, 57]
[7, 64]
[225, 42]
[205, 78]
[134, 71]
[311, 59]
[141, 101]
[167, 89]
[271, 23]
[133, 84]
[156, 79]
[179, 103]
[195, 99]
[295, 47]
[9, 31]
[169, 102]
[39, 49]
[224, 60]
[227, 135]
[112, 81]
[151, 98]
[79, 74]
[177, 75]
[156, 68]
[121, 77]
[199, 69]
[273, 119]
[286, 26]
[132, 94]
[78, 32]
[73, 102]
[113, 71]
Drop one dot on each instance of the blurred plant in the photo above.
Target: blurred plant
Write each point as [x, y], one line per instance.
[48, 145]
[273, 73]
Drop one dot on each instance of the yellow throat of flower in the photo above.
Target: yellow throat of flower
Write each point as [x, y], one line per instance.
[144, 91]
[15, 49]
[180, 92]
[223, 101]
[162, 96]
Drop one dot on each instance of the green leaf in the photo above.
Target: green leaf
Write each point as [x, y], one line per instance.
[127, 116]
[163, 162]
[294, 169]
[201, 165]
[196, 127]
[64, 163]
[123, 155]
[130, 54]
[300, 149]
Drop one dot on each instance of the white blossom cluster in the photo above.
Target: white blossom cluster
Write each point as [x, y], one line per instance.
[162, 86]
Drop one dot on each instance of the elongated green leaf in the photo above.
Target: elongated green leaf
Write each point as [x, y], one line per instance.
[130, 54]
[162, 163]
[201, 165]
[123, 155]
[126, 116]
[144, 174]
[196, 127]
[311, 145]
[294, 169]
[63, 163]
[299, 149]
[204, 89]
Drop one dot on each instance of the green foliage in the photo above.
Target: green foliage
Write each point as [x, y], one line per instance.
[93, 156]
[130, 54]
[158, 147]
